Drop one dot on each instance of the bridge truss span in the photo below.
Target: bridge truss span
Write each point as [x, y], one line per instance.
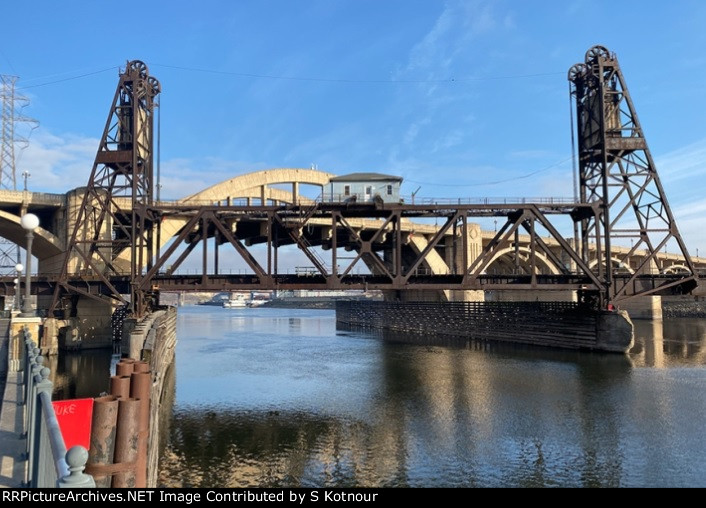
[123, 238]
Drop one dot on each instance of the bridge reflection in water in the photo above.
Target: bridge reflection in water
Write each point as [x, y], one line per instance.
[279, 398]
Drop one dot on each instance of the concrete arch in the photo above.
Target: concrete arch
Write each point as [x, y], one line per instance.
[256, 180]
[677, 269]
[524, 250]
[615, 262]
[248, 186]
[44, 245]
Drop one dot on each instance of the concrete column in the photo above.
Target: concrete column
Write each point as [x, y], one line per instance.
[295, 192]
[16, 344]
[643, 307]
[474, 247]
[65, 229]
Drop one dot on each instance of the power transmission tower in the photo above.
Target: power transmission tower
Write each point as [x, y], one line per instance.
[12, 105]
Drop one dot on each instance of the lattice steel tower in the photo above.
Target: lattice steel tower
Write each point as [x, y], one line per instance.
[617, 172]
[12, 105]
[113, 233]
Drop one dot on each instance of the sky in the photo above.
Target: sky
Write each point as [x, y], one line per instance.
[461, 98]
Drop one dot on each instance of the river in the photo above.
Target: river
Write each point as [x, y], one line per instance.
[279, 397]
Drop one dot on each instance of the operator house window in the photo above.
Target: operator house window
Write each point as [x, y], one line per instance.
[389, 190]
[346, 190]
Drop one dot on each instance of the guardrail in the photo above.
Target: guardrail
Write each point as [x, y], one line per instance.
[48, 462]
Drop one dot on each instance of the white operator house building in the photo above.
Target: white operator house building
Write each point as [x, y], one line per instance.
[363, 188]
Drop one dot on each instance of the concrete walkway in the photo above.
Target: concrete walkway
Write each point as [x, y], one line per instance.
[12, 445]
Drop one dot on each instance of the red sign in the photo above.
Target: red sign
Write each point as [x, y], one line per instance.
[74, 418]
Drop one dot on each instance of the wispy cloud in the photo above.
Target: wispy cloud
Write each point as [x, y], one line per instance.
[687, 162]
[454, 29]
[59, 163]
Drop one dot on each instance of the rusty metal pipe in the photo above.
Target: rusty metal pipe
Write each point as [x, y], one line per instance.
[124, 368]
[120, 386]
[103, 428]
[140, 386]
[126, 443]
[141, 366]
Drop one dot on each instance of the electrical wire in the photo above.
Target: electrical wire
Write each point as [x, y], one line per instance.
[300, 78]
[354, 81]
[496, 182]
[70, 78]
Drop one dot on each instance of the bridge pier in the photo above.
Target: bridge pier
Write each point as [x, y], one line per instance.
[644, 307]
[88, 326]
[16, 344]
[614, 332]
[455, 258]
[555, 324]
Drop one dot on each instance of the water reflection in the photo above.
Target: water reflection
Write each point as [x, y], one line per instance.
[669, 343]
[282, 399]
[80, 374]
[279, 397]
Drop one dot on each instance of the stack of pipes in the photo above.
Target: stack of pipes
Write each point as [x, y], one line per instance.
[118, 454]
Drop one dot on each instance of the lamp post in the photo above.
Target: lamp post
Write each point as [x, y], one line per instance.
[18, 268]
[29, 223]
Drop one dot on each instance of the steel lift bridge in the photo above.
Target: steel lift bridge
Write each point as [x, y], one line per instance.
[119, 251]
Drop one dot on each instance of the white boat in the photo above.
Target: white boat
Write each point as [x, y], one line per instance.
[236, 301]
[256, 303]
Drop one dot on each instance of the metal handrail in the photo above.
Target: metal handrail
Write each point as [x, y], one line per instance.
[49, 464]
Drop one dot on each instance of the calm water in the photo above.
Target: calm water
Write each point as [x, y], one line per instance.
[279, 397]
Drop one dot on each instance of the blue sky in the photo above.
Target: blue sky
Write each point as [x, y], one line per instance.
[454, 96]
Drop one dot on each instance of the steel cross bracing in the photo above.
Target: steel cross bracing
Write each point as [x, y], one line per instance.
[621, 197]
[385, 250]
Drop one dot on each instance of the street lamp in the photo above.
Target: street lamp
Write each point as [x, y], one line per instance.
[18, 269]
[29, 223]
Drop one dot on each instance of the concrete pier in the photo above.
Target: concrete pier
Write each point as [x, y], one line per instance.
[556, 324]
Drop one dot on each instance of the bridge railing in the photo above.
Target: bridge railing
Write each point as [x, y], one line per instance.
[48, 463]
[415, 200]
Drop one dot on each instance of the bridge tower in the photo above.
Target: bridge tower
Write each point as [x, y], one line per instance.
[112, 233]
[617, 172]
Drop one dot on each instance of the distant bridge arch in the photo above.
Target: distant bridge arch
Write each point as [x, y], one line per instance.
[505, 259]
[244, 186]
[676, 269]
[44, 245]
[619, 266]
